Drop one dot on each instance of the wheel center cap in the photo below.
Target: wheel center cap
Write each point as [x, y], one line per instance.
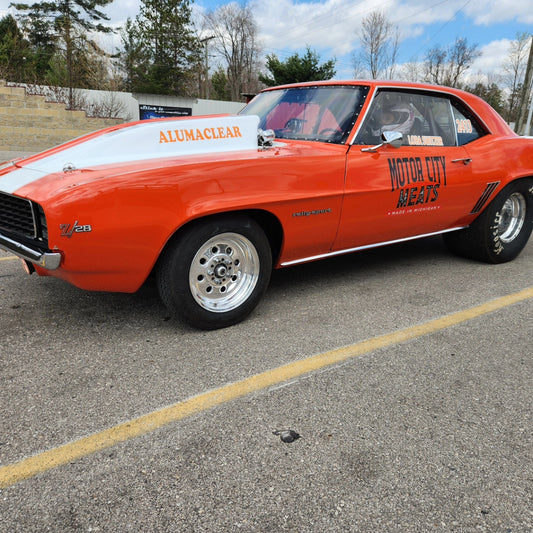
[220, 271]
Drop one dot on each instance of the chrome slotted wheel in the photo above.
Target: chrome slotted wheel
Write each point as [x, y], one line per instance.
[503, 228]
[224, 272]
[512, 217]
[215, 272]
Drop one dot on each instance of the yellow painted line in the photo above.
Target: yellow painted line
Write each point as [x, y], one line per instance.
[26, 468]
[8, 258]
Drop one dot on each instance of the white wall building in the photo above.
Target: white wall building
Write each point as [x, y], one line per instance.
[128, 105]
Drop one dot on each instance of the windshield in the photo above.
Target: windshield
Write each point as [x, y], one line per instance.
[323, 113]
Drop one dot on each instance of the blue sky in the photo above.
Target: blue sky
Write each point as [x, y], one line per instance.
[331, 27]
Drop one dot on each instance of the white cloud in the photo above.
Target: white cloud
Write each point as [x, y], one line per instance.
[498, 11]
[284, 24]
[332, 27]
[317, 19]
[493, 55]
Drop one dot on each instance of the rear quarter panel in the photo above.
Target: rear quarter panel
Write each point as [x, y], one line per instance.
[499, 159]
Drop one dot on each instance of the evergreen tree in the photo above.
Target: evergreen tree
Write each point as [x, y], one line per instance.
[135, 57]
[160, 49]
[219, 85]
[43, 42]
[68, 21]
[297, 69]
[491, 93]
[15, 53]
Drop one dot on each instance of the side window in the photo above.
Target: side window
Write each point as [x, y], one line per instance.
[424, 119]
[467, 127]
[387, 113]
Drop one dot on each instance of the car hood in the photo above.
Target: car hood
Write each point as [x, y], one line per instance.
[148, 140]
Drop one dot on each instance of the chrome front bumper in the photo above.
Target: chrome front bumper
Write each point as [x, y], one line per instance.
[47, 260]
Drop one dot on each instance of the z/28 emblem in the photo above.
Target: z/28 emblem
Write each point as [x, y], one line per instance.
[68, 229]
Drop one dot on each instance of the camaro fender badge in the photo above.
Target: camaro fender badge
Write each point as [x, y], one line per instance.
[314, 212]
[68, 229]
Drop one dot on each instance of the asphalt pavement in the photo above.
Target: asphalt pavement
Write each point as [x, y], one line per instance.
[427, 432]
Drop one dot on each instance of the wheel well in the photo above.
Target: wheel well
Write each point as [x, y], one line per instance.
[268, 222]
[272, 228]
[528, 179]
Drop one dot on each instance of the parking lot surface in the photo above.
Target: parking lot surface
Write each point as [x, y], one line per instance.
[432, 432]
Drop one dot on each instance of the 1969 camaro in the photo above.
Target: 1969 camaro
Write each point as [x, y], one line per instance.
[307, 171]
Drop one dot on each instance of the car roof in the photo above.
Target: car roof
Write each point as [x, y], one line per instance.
[375, 83]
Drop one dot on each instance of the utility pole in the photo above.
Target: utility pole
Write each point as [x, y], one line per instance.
[206, 40]
[526, 93]
[528, 123]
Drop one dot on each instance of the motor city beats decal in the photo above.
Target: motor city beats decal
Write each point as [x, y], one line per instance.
[417, 180]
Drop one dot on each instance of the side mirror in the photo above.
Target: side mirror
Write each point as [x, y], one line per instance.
[265, 137]
[390, 138]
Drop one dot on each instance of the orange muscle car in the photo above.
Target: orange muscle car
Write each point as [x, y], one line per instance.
[305, 171]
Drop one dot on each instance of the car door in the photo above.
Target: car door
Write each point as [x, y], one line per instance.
[422, 187]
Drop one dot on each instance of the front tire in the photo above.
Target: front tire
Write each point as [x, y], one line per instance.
[500, 233]
[215, 273]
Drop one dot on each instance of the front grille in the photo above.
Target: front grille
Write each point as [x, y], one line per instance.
[18, 217]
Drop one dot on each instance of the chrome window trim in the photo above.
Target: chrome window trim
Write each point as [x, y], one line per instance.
[418, 90]
[452, 115]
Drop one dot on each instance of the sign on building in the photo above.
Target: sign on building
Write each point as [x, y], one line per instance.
[159, 111]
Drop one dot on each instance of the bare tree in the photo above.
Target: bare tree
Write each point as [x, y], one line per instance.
[109, 105]
[435, 65]
[514, 68]
[73, 99]
[106, 104]
[379, 41]
[411, 71]
[359, 70]
[235, 39]
[523, 125]
[446, 66]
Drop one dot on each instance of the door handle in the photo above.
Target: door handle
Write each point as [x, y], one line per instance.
[464, 160]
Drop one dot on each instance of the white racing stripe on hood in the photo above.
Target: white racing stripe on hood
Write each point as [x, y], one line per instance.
[18, 178]
[150, 140]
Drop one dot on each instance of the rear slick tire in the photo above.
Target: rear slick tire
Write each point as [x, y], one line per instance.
[502, 230]
[215, 273]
